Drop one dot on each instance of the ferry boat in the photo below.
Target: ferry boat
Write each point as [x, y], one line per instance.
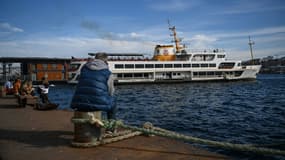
[171, 63]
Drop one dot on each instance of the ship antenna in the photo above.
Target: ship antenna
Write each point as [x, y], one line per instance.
[176, 39]
[250, 43]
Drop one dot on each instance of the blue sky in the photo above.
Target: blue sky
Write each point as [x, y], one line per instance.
[65, 28]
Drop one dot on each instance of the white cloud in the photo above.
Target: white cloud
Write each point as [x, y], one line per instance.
[201, 41]
[171, 5]
[70, 46]
[245, 7]
[268, 42]
[6, 27]
[257, 32]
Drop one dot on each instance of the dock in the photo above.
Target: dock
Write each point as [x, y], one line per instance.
[26, 133]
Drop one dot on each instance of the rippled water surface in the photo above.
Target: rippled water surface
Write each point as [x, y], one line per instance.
[237, 112]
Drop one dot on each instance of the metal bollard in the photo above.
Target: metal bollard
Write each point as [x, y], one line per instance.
[86, 132]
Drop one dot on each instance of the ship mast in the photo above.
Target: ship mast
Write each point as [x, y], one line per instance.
[250, 43]
[176, 39]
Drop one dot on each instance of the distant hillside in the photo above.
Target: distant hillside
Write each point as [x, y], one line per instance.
[269, 64]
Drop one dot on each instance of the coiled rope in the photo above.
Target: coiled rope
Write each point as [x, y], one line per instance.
[149, 129]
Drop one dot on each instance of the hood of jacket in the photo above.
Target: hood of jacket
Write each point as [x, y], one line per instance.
[97, 64]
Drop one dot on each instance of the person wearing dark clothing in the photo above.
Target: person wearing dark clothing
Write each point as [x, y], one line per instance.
[95, 89]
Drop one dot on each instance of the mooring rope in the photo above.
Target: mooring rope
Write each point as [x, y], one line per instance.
[149, 129]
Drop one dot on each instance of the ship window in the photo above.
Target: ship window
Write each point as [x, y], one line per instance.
[177, 65]
[139, 65]
[238, 73]
[178, 74]
[119, 66]
[158, 65]
[202, 73]
[239, 64]
[195, 73]
[120, 75]
[149, 65]
[174, 74]
[212, 65]
[145, 74]
[227, 65]
[74, 67]
[138, 75]
[129, 66]
[128, 75]
[204, 65]
[186, 65]
[221, 56]
[218, 73]
[195, 65]
[210, 73]
[168, 65]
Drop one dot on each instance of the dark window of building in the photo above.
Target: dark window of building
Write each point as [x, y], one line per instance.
[54, 66]
[45, 66]
[204, 65]
[202, 73]
[195, 73]
[145, 75]
[120, 75]
[212, 65]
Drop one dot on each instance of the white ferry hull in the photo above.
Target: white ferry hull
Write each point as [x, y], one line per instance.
[173, 64]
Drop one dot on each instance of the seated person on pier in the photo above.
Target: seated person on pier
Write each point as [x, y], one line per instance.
[95, 89]
[17, 86]
[27, 88]
[45, 103]
[43, 91]
[9, 87]
[26, 94]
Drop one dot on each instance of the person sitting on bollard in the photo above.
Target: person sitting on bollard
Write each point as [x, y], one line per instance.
[95, 88]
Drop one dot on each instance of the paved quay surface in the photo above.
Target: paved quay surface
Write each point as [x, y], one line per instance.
[46, 135]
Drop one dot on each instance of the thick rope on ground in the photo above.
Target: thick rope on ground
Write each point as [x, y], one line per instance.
[149, 129]
[240, 147]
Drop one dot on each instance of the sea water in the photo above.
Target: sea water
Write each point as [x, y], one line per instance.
[243, 112]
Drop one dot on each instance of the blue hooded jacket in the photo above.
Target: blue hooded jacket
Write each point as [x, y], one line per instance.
[92, 92]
